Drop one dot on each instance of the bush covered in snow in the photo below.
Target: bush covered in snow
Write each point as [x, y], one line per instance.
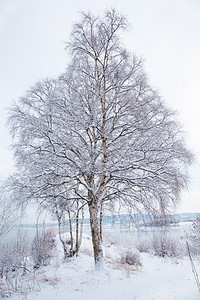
[163, 245]
[160, 245]
[131, 258]
[14, 256]
[16, 267]
[13, 265]
[42, 245]
[144, 246]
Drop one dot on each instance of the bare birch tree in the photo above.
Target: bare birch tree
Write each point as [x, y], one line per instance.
[100, 131]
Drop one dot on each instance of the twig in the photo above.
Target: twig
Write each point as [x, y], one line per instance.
[21, 267]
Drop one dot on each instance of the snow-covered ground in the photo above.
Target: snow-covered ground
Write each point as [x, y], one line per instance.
[75, 279]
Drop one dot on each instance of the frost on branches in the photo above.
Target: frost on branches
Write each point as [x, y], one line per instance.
[98, 134]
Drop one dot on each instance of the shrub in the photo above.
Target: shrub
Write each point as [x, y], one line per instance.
[131, 258]
[163, 245]
[13, 266]
[14, 256]
[42, 245]
[144, 246]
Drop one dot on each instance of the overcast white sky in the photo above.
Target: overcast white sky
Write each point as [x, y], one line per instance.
[166, 33]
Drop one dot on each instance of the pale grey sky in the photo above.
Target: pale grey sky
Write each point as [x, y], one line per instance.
[166, 33]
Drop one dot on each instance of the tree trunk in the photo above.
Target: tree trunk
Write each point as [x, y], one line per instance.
[77, 233]
[101, 222]
[71, 234]
[96, 239]
[59, 218]
[81, 228]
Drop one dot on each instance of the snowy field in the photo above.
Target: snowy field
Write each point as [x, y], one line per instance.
[76, 279]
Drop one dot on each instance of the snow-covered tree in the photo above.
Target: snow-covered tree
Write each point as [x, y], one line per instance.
[100, 133]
